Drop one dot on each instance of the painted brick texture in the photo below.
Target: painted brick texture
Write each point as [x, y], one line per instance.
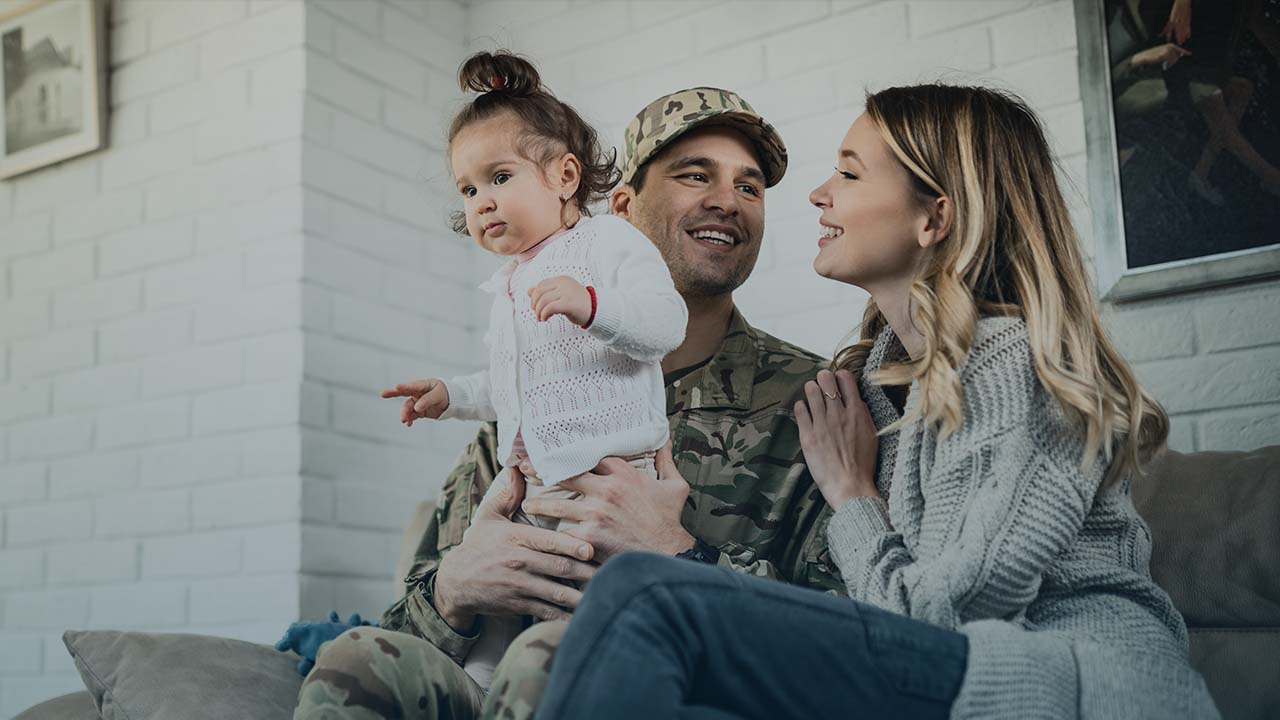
[195, 322]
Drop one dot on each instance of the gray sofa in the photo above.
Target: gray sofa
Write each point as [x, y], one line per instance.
[1215, 524]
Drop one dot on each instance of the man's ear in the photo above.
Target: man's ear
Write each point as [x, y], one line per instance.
[570, 175]
[937, 222]
[622, 202]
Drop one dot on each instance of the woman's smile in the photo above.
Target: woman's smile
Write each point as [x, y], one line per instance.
[828, 233]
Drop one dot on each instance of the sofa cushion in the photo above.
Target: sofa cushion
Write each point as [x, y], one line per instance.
[136, 676]
[72, 706]
[1215, 538]
[1239, 667]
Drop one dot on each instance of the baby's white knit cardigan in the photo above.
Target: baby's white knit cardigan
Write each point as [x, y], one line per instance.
[578, 395]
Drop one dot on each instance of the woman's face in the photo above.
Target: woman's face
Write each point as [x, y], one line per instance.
[871, 214]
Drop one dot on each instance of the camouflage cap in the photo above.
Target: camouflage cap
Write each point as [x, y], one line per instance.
[671, 116]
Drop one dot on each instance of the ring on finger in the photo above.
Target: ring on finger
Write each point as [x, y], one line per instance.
[831, 396]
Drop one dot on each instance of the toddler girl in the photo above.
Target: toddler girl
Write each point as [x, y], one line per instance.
[582, 314]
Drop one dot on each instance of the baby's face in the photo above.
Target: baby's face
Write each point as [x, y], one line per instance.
[509, 203]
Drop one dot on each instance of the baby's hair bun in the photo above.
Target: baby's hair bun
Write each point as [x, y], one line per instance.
[499, 71]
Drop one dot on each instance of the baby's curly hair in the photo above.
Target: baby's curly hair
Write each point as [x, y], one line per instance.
[509, 83]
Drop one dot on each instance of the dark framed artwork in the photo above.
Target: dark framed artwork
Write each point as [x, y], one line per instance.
[53, 82]
[1182, 119]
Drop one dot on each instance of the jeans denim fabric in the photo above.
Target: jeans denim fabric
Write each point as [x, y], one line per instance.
[658, 637]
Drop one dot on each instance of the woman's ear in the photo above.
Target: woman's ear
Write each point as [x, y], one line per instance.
[937, 222]
[570, 175]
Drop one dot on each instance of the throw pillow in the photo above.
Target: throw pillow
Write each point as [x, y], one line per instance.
[138, 676]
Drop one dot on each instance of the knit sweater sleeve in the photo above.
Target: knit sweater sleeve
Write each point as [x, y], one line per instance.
[638, 311]
[1007, 491]
[469, 398]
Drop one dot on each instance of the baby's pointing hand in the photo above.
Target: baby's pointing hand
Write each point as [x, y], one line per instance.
[423, 399]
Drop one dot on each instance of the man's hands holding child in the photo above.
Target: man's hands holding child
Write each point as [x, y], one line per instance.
[623, 509]
[423, 399]
[561, 295]
[506, 568]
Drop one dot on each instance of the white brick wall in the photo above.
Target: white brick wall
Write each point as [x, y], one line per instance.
[194, 323]
[806, 66]
[151, 347]
[386, 282]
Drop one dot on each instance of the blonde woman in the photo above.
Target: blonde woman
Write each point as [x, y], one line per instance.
[975, 446]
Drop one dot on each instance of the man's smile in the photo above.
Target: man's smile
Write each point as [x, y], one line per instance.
[715, 235]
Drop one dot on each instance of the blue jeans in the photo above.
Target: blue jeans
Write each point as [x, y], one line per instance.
[658, 637]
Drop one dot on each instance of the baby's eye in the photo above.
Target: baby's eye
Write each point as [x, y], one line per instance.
[468, 191]
[501, 178]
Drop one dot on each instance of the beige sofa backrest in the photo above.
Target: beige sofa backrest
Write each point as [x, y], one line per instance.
[1215, 528]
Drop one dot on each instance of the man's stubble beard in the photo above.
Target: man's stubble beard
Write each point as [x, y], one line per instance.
[690, 280]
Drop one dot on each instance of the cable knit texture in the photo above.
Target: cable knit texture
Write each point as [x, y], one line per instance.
[576, 395]
[995, 531]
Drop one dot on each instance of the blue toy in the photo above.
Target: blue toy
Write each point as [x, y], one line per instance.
[305, 638]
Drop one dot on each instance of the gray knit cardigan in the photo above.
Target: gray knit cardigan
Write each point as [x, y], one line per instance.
[996, 532]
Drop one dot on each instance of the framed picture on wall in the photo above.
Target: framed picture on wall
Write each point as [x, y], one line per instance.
[1182, 119]
[53, 80]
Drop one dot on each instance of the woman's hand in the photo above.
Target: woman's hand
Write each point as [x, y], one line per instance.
[1165, 55]
[838, 437]
[561, 295]
[1178, 28]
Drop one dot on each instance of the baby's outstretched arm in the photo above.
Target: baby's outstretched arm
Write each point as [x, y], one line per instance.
[422, 399]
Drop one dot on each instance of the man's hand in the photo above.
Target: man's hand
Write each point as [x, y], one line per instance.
[561, 295]
[422, 399]
[504, 568]
[623, 509]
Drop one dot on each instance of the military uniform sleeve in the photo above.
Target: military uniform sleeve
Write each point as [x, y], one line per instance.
[462, 492]
[802, 552]
[737, 560]
[801, 556]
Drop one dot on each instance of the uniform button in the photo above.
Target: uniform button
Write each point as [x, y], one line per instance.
[676, 383]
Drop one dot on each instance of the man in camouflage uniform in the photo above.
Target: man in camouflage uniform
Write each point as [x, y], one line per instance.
[695, 165]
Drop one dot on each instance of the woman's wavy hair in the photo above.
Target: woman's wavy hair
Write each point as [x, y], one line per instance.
[1011, 250]
[508, 83]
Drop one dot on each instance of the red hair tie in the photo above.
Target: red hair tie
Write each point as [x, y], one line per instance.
[498, 82]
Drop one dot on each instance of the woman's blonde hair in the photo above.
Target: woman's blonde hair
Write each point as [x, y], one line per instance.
[1011, 250]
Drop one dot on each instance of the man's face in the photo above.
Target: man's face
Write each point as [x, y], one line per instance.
[702, 205]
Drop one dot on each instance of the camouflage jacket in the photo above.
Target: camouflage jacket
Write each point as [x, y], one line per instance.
[735, 441]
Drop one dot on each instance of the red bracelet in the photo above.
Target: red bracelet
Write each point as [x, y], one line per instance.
[592, 292]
